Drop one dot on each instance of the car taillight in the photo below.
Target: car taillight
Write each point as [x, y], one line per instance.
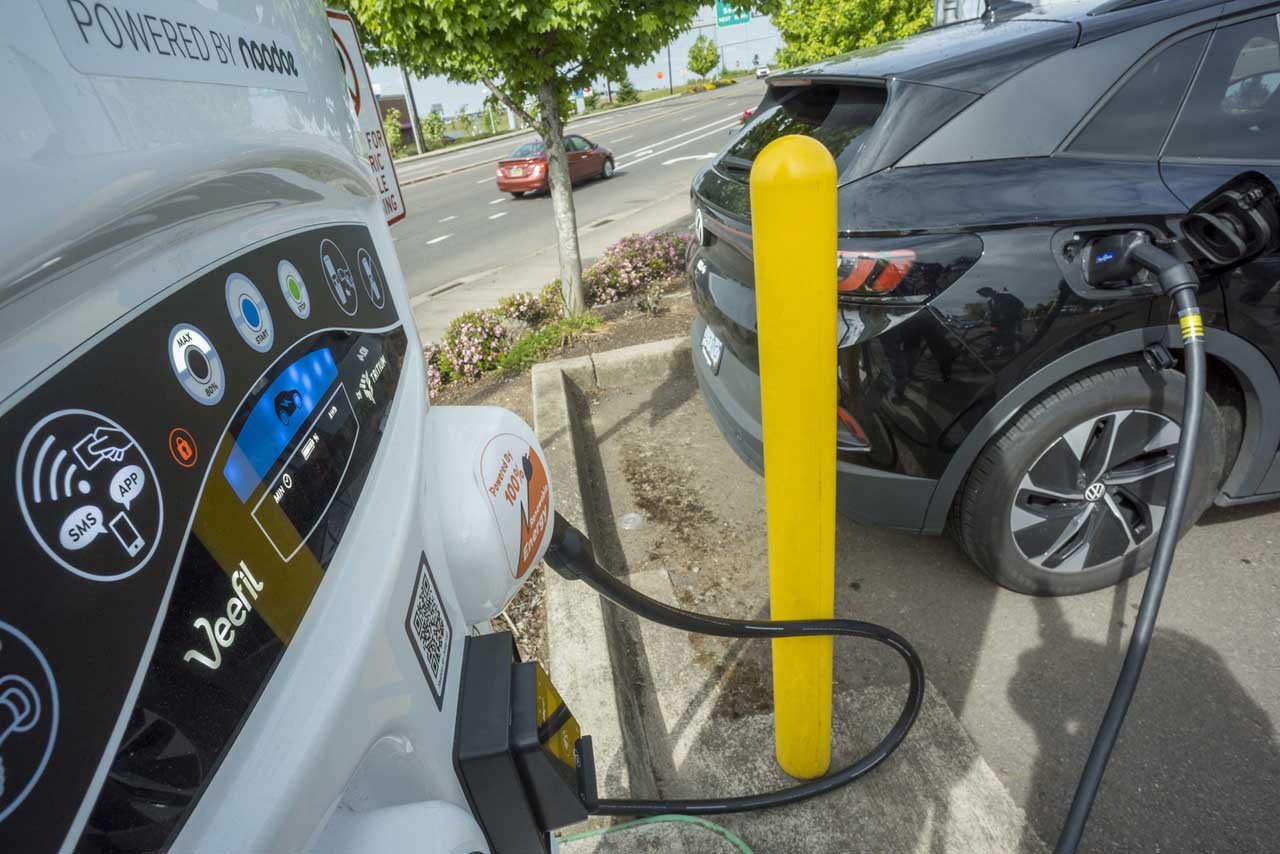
[851, 424]
[902, 269]
[874, 272]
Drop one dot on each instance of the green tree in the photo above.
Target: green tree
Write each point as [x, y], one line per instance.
[391, 130]
[463, 121]
[703, 56]
[814, 31]
[432, 128]
[627, 93]
[522, 49]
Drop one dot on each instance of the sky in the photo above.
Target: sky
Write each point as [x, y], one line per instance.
[739, 45]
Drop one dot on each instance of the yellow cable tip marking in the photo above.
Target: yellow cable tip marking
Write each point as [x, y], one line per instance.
[1192, 326]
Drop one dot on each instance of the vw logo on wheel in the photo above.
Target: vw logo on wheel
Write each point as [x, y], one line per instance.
[1095, 491]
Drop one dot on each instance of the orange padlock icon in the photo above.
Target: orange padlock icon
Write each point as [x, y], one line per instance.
[182, 447]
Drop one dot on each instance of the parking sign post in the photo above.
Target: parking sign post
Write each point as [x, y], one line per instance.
[793, 212]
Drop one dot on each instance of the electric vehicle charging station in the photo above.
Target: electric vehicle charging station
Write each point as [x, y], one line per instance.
[250, 567]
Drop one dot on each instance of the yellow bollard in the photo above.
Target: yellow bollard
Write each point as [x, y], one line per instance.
[793, 213]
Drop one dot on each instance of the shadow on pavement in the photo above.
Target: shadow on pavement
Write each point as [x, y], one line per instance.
[1019, 683]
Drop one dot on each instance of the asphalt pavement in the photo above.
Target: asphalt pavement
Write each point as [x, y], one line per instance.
[1018, 684]
[461, 234]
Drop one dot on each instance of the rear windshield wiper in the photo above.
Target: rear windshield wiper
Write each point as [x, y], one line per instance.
[735, 164]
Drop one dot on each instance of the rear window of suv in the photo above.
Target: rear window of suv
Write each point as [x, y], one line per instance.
[834, 115]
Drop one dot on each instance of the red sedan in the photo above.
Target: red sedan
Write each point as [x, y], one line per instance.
[525, 171]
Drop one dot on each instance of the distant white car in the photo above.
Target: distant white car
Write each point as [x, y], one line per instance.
[762, 71]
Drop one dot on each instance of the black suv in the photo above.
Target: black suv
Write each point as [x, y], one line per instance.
[983, 386]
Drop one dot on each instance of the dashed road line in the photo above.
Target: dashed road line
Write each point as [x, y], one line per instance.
[497, 201]
[498, 214]
[446, 219]
[438, 239]
[706, 156]
[690, 132]
[711, 132]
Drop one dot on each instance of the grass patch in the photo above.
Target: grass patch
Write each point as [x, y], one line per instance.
[545, 340]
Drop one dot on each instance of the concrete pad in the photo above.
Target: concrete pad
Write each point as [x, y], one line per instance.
[1197, 767]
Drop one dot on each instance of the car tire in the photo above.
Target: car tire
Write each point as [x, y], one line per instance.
[606, 168]
[1068, 498]
[517, 194]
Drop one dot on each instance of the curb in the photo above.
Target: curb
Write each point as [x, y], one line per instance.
[585, 641]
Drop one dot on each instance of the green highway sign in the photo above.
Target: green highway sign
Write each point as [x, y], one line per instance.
[728, 15]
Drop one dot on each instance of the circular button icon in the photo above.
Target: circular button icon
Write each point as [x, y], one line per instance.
[337, 274]
[28, 716]
[249, 312]
[196, 364]
[293, 289]
[182, 447]
[369, 277]
[89, 495]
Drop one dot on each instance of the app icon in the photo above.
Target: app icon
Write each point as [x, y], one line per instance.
[28, 717]
[89, 495]
[337, 274]
[369, 276]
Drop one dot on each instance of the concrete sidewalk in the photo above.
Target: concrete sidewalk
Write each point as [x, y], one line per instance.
[1017, 684]
[433, 311]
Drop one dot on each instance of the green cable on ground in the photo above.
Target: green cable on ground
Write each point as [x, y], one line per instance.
[665, 819]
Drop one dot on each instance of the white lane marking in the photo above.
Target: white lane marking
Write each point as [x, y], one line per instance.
[721, 129]
[497, 201]
[446, 219]
[498, 214]
[623, 138]
[652, 146]
[438, 239]
[484, 180]
[686, 118]
[706, 156]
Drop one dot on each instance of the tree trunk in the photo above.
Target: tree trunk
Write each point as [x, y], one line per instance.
[561, 199]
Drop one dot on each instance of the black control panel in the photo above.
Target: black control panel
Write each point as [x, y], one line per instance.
[180, 489]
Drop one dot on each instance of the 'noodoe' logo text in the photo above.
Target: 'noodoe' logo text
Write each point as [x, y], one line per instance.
[266, 58]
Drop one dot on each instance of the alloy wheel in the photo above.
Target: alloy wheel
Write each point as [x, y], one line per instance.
[1097, 493]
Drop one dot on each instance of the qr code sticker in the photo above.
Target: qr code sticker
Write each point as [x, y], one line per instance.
[429, 630]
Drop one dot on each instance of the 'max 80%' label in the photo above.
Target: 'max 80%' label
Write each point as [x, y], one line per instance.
[167, 41]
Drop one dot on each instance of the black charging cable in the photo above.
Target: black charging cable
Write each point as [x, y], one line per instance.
[1180, 283]
[571, 555]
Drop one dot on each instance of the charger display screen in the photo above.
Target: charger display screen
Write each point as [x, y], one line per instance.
[281, 411]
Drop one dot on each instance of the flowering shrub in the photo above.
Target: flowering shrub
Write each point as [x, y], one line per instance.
[472, 345]
[533, 309]
[524, 307]
[434, 378]
[552, 299]
[634, 263]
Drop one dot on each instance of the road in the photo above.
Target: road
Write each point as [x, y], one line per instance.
[460, 229]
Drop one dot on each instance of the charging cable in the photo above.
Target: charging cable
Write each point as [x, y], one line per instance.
[1180, 282]
[571, 555]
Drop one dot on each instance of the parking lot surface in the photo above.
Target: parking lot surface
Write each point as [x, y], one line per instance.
[1197, 767]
